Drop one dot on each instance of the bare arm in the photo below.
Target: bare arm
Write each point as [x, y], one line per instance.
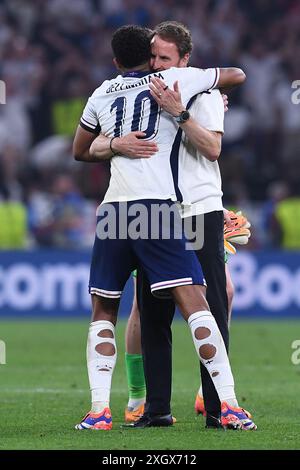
[230, 77]
[130, 145]
[88, 147]
[207, 142]
[81, 144]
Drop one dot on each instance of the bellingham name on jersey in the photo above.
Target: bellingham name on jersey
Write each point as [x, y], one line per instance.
[123, 86]
[124, 105]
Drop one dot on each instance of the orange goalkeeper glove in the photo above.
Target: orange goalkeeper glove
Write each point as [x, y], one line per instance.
[236, 230]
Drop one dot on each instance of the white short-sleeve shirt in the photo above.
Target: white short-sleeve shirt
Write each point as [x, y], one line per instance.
[199, 179]
[124, 104]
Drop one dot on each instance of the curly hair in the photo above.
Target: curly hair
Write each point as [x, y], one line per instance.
[131, 45]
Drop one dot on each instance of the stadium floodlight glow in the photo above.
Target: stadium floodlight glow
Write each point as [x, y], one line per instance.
[2, 92]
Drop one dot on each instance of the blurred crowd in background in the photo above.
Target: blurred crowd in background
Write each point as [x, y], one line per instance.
[54, 53]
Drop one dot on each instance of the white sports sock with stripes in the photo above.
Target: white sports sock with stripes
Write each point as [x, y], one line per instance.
[100, 366]
[212, 353]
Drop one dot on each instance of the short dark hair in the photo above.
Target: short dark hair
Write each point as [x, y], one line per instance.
[173, 31]
[131, 45]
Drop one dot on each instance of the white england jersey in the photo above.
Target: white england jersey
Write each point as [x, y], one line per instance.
[199, 180]
[123, 105]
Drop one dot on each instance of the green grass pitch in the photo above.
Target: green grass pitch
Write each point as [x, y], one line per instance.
[44, 390]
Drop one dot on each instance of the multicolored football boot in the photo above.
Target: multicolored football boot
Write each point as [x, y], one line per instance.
[133, 415]
[96, 421]
[199, 405]
[236, 418]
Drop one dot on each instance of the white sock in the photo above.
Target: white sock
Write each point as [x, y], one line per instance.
[217, 364]
[134, 403]
[100, 366]
[200, 391]
[98, 406]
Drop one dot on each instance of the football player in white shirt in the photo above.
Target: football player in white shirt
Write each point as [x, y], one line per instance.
[200, 185]
[117, 106]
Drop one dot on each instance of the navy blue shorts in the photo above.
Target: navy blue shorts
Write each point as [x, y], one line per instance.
[124, 242]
